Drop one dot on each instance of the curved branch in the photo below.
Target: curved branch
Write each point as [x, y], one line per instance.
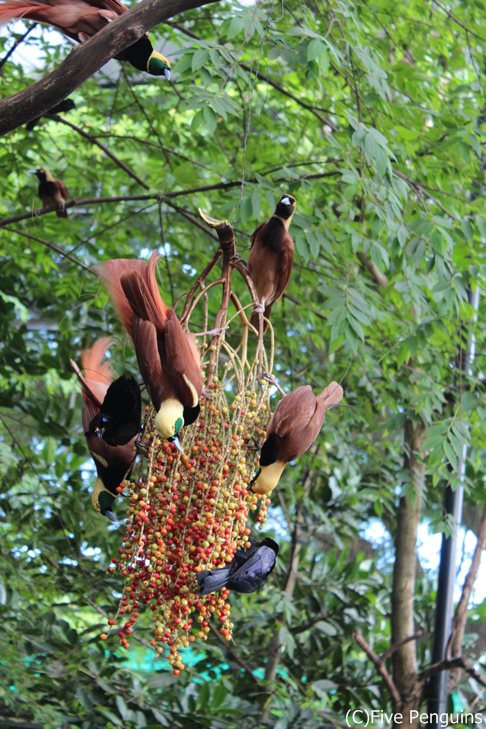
[86, 59]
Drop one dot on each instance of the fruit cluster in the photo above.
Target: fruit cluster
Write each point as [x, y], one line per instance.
[189, 512]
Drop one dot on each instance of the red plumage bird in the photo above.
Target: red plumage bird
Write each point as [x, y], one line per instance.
[52, 192]
[271, 257]
[81, 19]
[113, 463]
[292, 430]
[167, 355]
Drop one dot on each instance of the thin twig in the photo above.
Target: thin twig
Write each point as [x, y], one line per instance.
[457, 662]
[52, 247]
[375, 659]
[17, 43]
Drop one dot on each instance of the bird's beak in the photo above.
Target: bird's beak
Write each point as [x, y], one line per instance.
[110, 515]
[285, 201]
[100, 432]
[167, 73]
[175, 440]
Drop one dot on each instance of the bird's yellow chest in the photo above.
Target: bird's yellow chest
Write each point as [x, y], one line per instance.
[268, 478]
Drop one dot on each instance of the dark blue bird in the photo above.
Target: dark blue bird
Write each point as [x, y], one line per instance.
[120, 417]
[247, 572]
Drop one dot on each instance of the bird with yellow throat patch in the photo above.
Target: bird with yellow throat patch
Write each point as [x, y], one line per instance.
[167, 355]
[271, 257]
[111, 422]
[295, 425]
[52, 192]
[81, 19]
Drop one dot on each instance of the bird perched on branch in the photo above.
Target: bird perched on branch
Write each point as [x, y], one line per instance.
[271, 257]
[65, 105]
[247, 572]
[292, 430]
[167, 355]
[111, 422]
[81, 19]
[52, 192]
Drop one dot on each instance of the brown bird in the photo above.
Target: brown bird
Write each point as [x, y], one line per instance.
[167, 355]
[81, 19]
[292, 430]
[52, 192]
[271, 257]
[113, 463]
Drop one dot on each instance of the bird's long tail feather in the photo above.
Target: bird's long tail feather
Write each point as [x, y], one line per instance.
[143, 294]
[31, 10]
[97, 375]
[111, 272]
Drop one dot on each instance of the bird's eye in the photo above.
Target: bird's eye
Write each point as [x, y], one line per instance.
[178, 425]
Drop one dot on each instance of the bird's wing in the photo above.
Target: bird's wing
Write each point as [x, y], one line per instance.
[113, 5]
[148, 358]
[62, 189]
[253, 573]
[255, 233]
[331, 395]
[286, 260]
[122, 398]
[97, 375]
[212, 580]
[181, 360]
[293, 412]
[71, 16]
[156, 307]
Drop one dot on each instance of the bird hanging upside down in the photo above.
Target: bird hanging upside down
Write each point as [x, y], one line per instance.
[81, 19]
[167, 355]
[292, 430]
[247, 572]
[111, 422]
[52, 192]
[271, 257]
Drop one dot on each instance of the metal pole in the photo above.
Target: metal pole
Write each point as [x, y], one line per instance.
[453, 501]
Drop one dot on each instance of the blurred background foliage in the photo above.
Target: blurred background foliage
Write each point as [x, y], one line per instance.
[370, 115]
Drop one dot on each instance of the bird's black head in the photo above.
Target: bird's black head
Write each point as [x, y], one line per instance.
[99, 424]
[66, 105]
[106, 501]
[285, 207]
[41, 174]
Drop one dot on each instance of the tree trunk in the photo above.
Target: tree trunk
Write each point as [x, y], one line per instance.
[402, 618]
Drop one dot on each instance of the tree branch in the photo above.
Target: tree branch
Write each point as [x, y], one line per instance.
[17, 43]
[458, 662]
[460, 617]
[380, 667]
[52, 247]
[379, 277]
[158, 196]
[86, 59]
